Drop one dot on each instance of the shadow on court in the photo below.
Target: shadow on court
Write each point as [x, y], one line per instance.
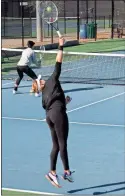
[105, 192]
[65, 91]
[100, 186]
[82, 89]
[11, 87]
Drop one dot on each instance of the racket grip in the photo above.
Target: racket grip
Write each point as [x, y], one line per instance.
[39, 77]
[59, 34]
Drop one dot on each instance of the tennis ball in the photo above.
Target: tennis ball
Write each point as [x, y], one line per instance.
[49, 9]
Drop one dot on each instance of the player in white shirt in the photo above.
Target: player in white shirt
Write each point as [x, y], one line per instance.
[23, 66]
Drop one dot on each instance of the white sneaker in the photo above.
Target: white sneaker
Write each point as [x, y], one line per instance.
[53, 178]
[15, 92]
[37, 94]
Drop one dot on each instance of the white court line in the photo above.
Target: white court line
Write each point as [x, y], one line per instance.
[102, 100]
[70, 122]
[28, 191]
[97, 124]
[7, 83]
[24, 119]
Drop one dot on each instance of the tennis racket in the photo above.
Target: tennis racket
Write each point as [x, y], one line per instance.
[40, 56]
[49, 13]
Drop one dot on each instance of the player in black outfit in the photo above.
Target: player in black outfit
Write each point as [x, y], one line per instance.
[54, 102]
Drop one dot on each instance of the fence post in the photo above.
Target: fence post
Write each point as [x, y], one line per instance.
[77, 19]
[38, 23]
[22, 16]
[95, 21]
[30, 16]
[112, 25]
[104, 22]
[4, 19]
[51, 34]
[64, 16]
[87, 11]
[48, 29]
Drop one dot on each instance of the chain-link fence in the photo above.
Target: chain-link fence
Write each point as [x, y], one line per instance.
[105, 18]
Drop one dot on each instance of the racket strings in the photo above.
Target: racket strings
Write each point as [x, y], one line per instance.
[50, 12]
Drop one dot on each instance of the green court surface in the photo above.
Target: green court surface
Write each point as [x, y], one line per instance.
[25, 193]
[14, 193]
[99, 46]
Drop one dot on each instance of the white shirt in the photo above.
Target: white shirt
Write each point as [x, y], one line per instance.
[28, 57]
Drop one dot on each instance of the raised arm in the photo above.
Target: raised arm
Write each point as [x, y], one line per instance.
[59, 58]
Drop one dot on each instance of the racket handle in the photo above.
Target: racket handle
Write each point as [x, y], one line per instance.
[59, 34]
[39, 77]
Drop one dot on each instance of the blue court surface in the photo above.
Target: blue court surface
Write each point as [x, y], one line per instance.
[96, 143]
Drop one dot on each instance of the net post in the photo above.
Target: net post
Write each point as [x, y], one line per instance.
[38, 23]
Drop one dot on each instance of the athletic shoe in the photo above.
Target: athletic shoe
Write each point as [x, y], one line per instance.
[68, 176]
[37, 94]
[16, 92]
[53, 178]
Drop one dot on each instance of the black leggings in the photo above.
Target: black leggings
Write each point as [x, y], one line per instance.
[27, 70]
[58, 123]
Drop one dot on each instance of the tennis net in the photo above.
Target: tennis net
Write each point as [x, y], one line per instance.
[77, 67]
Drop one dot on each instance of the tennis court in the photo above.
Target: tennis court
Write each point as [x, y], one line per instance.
[97, 131]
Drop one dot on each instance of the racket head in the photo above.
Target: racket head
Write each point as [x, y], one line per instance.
[49, 12]
[41, 54]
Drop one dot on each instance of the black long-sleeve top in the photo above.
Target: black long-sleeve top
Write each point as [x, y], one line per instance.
[52, 94]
